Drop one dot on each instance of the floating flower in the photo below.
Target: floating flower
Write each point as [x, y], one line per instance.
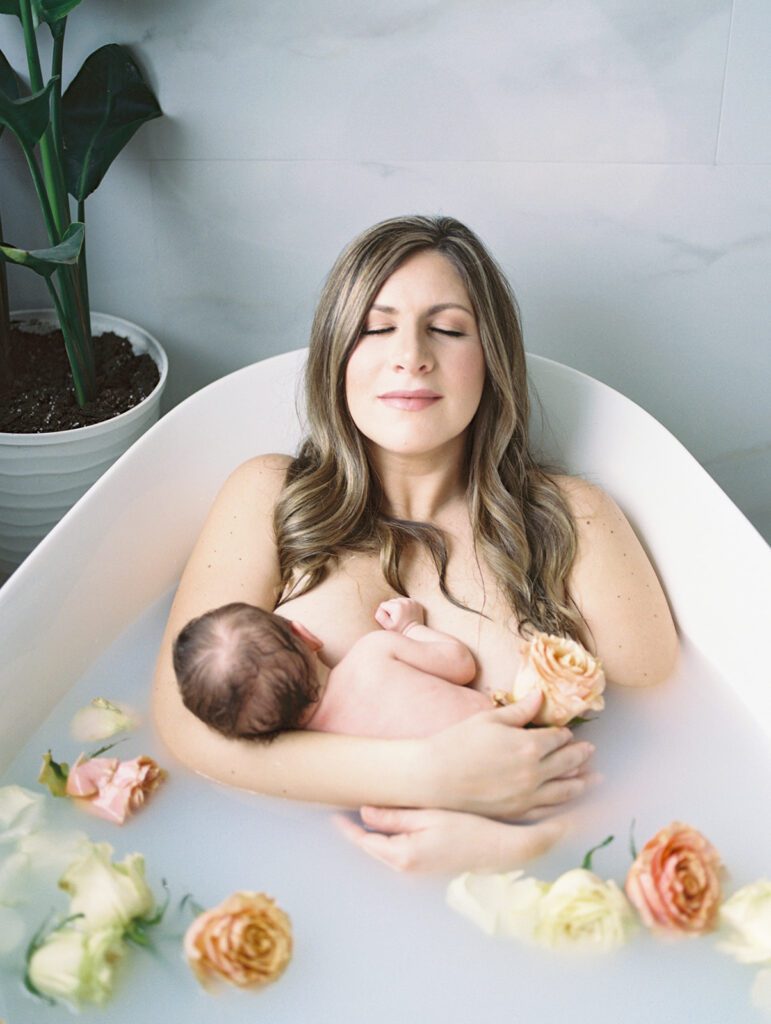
[580, 910]
[674, 883]
[76, 966]
[102, 719]
[747, 917]
[107, 895]
[760, 994]
[246, 940]
[500, 904]
[107, 787]
[571, 679]
[21, 812]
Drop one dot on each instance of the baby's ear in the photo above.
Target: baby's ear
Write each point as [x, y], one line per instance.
[305, 634]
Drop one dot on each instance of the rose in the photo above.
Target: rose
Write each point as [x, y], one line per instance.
[114, 788]
[581, 910]
[674, 883]
[748, 914]
[500, 904]
[76, 966]
[246, 940]
[21, 812]
[108, 895]
[571, 680]
[101, 719]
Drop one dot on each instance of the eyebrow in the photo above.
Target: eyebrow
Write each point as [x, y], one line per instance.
[429, 312]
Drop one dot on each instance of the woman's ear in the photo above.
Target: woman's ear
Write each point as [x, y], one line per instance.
[305, 634]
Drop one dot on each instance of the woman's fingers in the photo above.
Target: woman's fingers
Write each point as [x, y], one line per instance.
[393, 819]
[394, 850]
[565, 760]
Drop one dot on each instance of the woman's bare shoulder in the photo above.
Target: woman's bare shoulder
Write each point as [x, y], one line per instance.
[617, 588]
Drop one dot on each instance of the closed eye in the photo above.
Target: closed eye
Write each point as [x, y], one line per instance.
[437, 330]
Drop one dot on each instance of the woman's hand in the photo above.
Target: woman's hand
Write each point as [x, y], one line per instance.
[490, 765]
[448, 841]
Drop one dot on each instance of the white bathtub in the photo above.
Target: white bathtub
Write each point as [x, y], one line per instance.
[121, 549]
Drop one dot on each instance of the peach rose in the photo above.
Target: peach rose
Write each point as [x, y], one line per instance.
[674, 883]
[571, 680]
[114, 789]
[246, 940]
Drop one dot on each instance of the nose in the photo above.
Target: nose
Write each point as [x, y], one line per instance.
[411, 351]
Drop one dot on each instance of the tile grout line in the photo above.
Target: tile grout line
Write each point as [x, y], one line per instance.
[725, 76]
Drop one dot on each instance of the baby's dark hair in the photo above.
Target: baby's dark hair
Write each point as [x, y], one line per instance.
[244, 672]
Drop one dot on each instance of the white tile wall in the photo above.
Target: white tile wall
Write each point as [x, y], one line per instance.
[610, 152]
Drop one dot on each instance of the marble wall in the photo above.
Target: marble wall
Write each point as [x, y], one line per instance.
[613, 154]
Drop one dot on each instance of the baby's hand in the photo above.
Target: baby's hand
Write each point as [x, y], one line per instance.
[399, 614]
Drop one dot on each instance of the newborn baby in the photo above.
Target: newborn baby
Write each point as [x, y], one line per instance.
[253, 674]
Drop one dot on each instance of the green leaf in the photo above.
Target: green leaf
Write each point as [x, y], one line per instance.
[54, 775]
[28, 117]
[106, 103]
[52, 10]
[47, 261]
[106, 747]
[586, 863]
[9, 82]
[632, 844]
[10, 7]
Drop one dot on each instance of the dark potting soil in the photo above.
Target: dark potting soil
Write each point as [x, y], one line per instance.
[41, 396]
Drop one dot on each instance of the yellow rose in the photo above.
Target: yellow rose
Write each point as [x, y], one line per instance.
[581, 910]
[76, 966]
[500, 904]
[246, 940]
[108, 895]
[571, 680]
[747, 914]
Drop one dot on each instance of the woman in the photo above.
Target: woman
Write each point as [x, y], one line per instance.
[416, 479]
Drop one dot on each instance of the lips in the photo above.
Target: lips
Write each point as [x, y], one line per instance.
[411, 401]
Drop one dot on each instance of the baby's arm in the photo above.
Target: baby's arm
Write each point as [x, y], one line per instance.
[426, 649]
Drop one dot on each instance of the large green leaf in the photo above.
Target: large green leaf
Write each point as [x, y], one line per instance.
[105, 104]
[28, 117]
[9, 82]
[52, 10]
[42, 10]
[46, 261]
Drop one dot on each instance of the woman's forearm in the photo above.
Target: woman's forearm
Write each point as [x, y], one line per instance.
[346, 771]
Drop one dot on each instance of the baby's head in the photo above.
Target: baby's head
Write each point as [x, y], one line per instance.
[246, 672]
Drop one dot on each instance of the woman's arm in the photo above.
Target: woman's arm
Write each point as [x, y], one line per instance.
[618, 592]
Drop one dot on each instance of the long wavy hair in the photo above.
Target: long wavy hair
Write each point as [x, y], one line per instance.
[332, 501]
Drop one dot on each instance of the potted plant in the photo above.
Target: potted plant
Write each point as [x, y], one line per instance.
[56, 438]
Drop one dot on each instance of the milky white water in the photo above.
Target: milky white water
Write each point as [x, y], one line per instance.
[374, 945]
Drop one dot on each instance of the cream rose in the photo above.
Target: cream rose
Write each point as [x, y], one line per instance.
[500, 904]
[674, 883]
[580, 910]
[746, 916]
[246, 940]
[570, 678]
[101, 719]
[76, 966]
[108, 895]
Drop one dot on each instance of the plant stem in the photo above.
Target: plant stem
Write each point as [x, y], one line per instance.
[74, 353]
[6, 371]
[49, 151]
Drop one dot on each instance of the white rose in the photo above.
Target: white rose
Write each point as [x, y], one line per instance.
[11, 930]
[101, 719]
[76, 966]
[747, 917]
[500, 904]
[21, 811]
[107, 894]
[581, 910]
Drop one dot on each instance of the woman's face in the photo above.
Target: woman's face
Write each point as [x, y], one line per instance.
[414, 379]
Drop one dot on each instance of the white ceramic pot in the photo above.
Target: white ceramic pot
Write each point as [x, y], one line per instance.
[43, 475]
